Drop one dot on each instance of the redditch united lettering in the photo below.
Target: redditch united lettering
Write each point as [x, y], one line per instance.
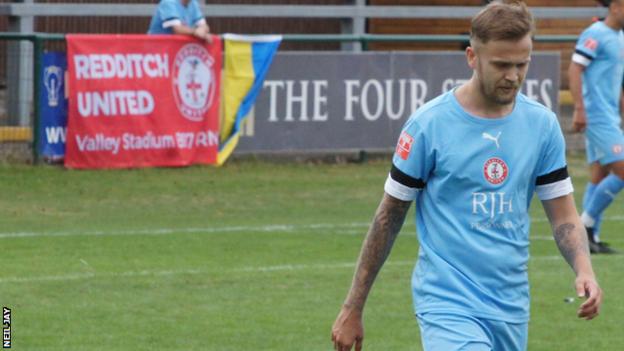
[121, 66]
[115, 103]
[118, 66]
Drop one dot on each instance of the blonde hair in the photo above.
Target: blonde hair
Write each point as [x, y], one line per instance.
[502, 20]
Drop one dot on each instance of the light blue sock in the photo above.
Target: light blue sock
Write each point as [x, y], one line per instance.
[604, 194]
[589, 192]
[597, 227]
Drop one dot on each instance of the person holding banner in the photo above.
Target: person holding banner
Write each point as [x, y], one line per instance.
[471, 160]
[180, 17]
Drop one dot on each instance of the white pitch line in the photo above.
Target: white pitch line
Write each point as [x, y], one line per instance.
[206, 230]
[284, 228]
[143, 273]
[249, 269]
[542, 237]
[617, 218]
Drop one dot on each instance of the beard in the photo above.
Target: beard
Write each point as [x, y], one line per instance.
[499, 94]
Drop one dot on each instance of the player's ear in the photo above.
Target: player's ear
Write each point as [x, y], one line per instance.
[471, 57]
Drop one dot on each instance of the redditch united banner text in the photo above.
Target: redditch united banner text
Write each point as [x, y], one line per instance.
[138, 100]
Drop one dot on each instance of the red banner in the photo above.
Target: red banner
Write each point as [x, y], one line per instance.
[142, 100]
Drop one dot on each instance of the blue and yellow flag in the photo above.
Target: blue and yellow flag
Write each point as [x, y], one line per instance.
[247, 61]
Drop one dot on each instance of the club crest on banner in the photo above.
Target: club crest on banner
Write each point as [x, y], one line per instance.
[495, 170]
[193, 81]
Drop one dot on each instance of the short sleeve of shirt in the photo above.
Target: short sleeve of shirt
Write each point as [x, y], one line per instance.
[412, 163]
[552, 174]
[587, 47]
[196, 14]
[167, 10]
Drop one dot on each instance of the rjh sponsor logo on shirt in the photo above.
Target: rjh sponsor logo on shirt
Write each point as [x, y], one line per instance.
[494, 206]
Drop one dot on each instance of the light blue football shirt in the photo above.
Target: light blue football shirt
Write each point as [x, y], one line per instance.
[473, 179]
[172, 12]
[601, 50]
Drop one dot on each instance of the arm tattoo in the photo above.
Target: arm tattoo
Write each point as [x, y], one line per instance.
[376, 248]
[571, 242]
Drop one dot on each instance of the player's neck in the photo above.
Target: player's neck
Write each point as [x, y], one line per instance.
[473, 101]
[612, 23]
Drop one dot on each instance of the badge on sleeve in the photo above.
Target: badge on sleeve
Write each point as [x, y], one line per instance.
[405, 145]
[591, 44]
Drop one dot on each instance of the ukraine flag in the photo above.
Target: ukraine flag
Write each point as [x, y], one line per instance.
[247, 61]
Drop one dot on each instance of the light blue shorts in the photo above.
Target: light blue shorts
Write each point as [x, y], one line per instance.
[604, 144]
[452, 332]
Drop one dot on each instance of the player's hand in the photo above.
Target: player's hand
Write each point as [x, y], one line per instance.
[202, 33]
[348, 330]
[587, 287]
[579, 120]
[208, 38]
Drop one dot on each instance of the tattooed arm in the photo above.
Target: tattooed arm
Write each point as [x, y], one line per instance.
[348, 329]
[571, 238]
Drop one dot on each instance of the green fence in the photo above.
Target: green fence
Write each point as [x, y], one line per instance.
[20, 68]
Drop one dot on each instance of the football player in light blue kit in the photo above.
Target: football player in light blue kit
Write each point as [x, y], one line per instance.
[179, 17]
[596, 85]
[471, 159]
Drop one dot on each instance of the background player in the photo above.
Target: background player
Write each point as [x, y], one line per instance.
[595, 76]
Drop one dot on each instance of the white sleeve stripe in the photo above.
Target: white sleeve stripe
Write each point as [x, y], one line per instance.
[400, 191]
[200, 22]
[171, 23]
[554, 190]
[580, 59]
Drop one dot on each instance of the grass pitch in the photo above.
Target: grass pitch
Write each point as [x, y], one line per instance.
[252, 256]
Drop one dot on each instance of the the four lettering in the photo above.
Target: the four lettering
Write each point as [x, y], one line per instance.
[368, 100]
